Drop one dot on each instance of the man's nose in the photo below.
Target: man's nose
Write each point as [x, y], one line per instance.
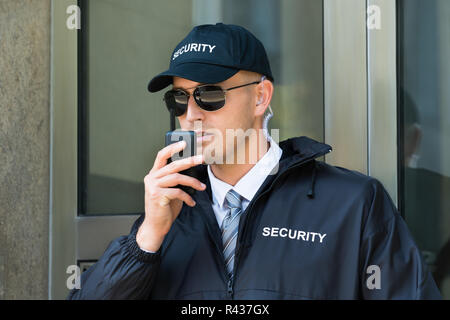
[194, 112]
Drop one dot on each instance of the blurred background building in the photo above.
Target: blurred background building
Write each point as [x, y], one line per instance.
[79, 131]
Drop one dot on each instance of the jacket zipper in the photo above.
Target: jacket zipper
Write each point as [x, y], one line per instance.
[230, 282]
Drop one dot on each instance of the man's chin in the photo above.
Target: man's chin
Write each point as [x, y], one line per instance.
[212, 158]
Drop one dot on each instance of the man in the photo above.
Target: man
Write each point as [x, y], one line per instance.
[285, 227]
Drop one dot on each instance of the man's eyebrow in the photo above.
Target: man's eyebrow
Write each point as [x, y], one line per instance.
[181, 88]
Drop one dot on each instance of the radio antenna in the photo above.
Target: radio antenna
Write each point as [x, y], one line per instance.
[172, 120]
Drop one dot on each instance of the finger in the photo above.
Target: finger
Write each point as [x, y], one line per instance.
[167, 152]
[169, 194]
[180, 165]
[175, 179]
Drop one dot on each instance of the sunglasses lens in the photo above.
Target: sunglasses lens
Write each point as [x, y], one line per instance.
[176, 100]
[210, 98]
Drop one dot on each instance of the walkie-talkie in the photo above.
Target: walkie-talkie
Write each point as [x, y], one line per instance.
[190, 137]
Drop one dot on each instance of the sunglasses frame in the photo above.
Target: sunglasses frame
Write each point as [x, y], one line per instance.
[178, 107]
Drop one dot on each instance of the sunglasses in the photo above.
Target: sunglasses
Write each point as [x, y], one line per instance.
[208, 97]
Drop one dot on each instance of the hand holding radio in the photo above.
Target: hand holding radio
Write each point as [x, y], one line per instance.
[163, 195]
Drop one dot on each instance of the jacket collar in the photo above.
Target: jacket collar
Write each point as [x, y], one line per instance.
[297, 149]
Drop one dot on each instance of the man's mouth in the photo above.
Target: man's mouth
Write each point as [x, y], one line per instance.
[201, 133]
[203, 136]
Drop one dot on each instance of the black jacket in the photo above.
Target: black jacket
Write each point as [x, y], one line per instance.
[312, 231]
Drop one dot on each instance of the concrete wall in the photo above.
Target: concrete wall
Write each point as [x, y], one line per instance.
[24, 148]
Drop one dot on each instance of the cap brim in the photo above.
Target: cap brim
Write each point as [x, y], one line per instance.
[194, 71]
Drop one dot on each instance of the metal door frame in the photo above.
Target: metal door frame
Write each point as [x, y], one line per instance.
[72, 238]
[360, 80]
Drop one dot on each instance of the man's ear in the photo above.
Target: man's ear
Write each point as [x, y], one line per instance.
[264, 91]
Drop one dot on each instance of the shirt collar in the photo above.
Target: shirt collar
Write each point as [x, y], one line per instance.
[249, 184]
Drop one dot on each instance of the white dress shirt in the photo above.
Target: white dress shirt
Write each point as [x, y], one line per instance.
[248, 185]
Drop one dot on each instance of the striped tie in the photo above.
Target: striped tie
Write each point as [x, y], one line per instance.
[230, 229]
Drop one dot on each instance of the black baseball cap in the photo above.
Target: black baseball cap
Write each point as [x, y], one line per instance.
[213, 53]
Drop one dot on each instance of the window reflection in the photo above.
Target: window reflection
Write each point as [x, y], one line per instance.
[424, 102]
